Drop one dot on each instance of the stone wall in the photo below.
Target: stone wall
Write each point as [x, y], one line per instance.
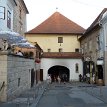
[19, 22]
[16, 72]
[93, 53]
[3, 76]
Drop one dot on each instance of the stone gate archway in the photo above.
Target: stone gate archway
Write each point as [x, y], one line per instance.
[58, 70]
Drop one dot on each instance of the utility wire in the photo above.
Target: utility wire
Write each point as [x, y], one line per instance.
[87, 4]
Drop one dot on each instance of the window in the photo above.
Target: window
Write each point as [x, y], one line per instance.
[18, 82]
[98, 42]
[60, 49]
[20, 12]
[49, 50]
[85, 47]
[76, 68]
[8, 19]
[60, 40]
[21, 26]
[82, 49]
[2, 12]
[76, 50]
[90, 45]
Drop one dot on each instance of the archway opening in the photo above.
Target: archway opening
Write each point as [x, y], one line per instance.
[61, 71]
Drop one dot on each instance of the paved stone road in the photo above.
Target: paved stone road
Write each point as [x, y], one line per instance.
[73, 94]
[67, 95]
[27, 98]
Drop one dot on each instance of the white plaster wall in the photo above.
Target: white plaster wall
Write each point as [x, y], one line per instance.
[47, 63]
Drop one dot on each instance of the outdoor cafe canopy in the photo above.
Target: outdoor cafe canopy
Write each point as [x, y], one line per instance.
[14, 38]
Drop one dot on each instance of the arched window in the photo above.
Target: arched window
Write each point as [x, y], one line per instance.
[77, 68]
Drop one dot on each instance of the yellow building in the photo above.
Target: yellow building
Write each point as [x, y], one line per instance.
[58, 37]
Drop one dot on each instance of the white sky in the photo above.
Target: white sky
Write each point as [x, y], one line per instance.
[82, 12]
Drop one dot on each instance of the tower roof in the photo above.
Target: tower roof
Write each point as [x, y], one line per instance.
[57, 24]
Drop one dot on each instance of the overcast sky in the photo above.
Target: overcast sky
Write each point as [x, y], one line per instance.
[82, 12]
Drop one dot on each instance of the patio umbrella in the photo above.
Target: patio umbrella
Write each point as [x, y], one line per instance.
[26, 44]
[12, 37]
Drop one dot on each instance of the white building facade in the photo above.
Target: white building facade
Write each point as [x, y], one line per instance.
[72, 67]
[13, 16]
[6, 14]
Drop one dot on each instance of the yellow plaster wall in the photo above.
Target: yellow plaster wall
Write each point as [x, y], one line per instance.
[69, 44]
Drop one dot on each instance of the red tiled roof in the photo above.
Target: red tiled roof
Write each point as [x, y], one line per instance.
[57, 23]
[62, 55]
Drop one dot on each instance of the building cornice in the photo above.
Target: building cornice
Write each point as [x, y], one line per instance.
[73, 55]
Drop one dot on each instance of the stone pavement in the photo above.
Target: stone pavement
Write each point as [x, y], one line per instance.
[69, 95]
[30, 98]
[99, 92]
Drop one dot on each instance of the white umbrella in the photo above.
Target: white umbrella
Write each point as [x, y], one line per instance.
[12, 37]
[26, 44]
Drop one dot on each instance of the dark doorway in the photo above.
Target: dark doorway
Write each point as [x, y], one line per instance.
[100, 71]
[32, 77]
[41, 74]
[87, 66]
[60, 71]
